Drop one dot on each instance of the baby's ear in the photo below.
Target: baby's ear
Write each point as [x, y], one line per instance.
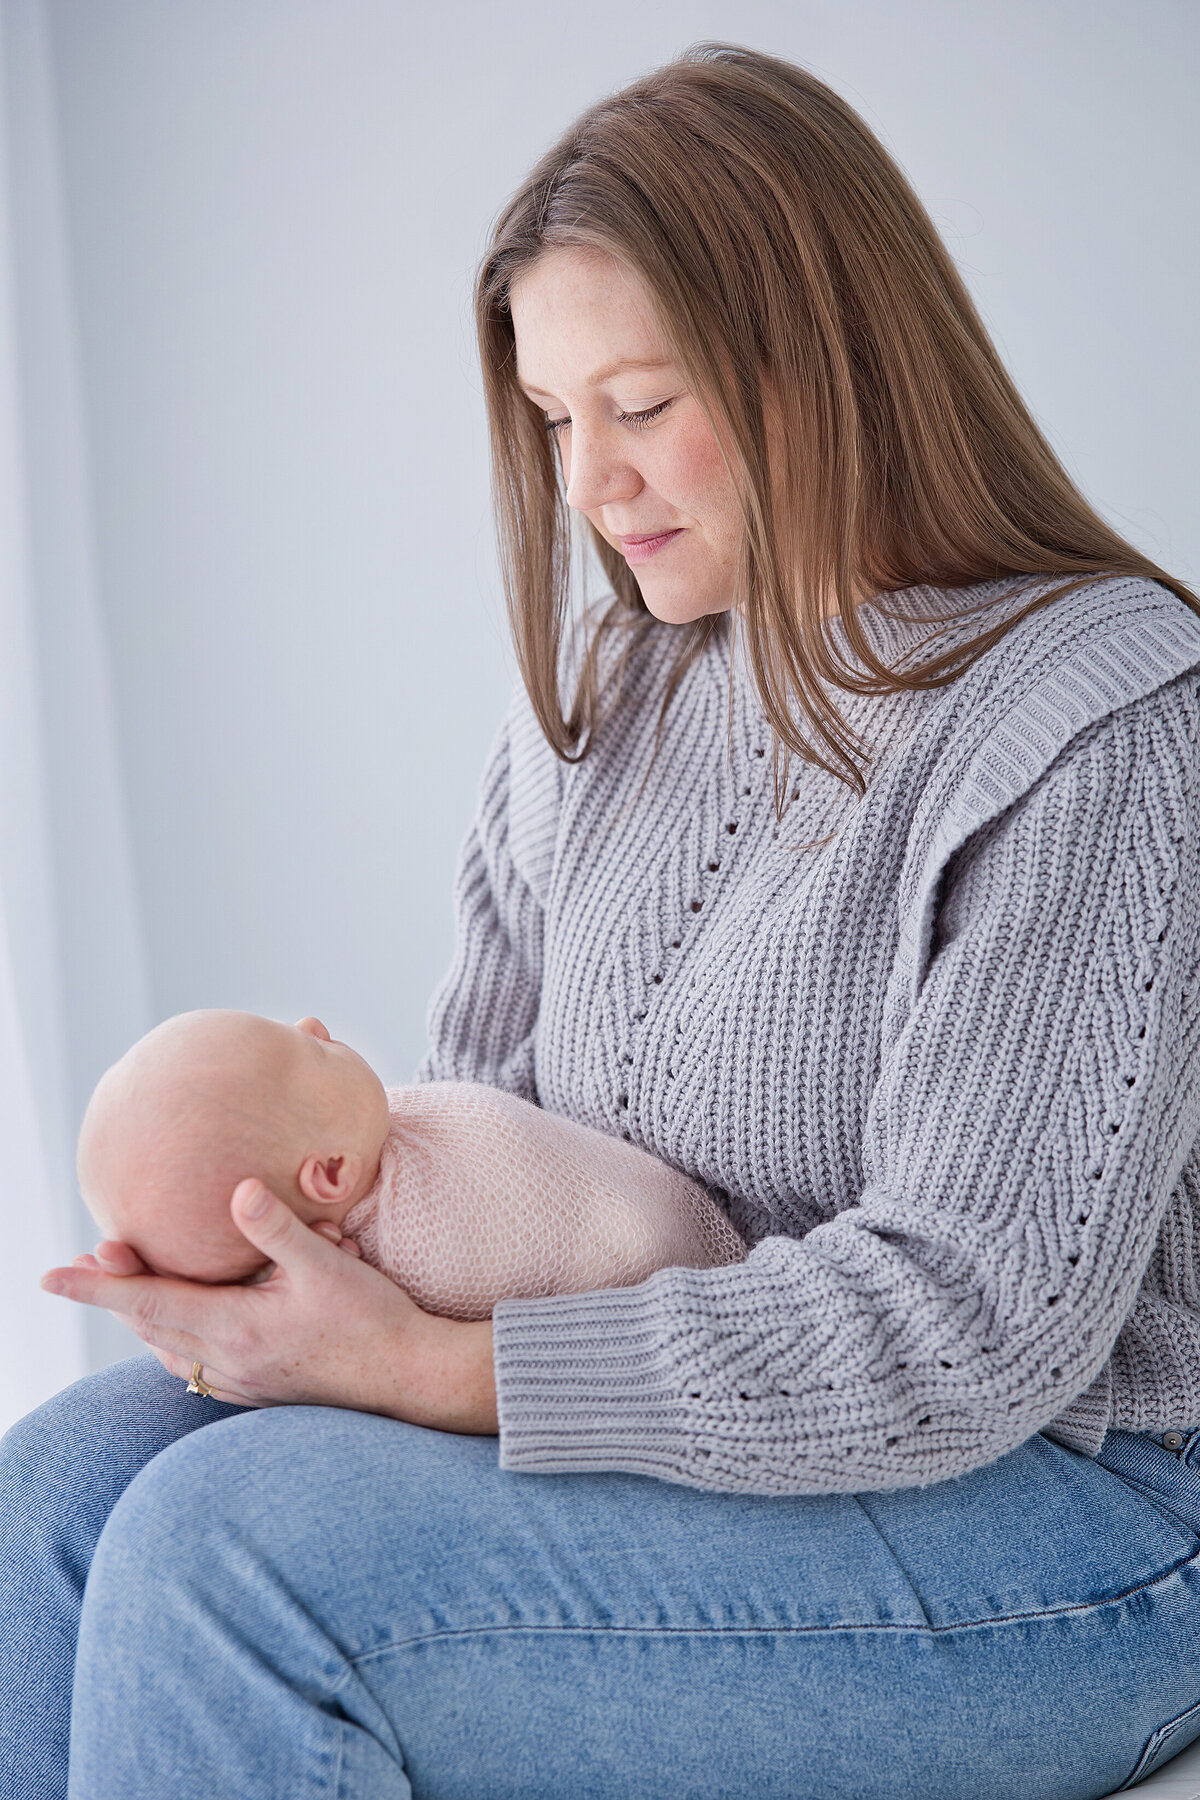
[328, 1179]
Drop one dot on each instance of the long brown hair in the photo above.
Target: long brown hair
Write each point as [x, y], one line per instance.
[786, 254]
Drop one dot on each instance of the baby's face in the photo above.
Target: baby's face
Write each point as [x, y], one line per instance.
[206, 1100]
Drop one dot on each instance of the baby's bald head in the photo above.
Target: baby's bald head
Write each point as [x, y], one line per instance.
[200, 1103]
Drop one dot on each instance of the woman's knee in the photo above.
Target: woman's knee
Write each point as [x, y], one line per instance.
[293, 1498]
[267, 1476]
[247, 1532]
[241, 1476]
[172, 1515]
[64, 1466]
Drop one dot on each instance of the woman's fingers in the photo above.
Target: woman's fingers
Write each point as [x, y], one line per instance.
[219, 1389]
[182, 1322]
[327, 1229]
[116, 1258]
[147, 1302]
[112, 1258]
[184, 1317]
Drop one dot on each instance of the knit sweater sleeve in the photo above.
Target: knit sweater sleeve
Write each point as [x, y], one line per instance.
[482, 1018]
[1029, 1122]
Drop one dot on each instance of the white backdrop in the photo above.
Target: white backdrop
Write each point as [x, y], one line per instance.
[268, 213]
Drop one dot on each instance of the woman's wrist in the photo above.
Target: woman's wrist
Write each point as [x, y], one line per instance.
[445, 1378]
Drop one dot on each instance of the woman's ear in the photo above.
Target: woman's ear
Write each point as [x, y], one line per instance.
[329, 1180]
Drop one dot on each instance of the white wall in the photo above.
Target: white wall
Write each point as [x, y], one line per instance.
[274, 208]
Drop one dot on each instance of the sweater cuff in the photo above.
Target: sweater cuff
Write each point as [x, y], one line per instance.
[1085, 1422]
[584, 1381]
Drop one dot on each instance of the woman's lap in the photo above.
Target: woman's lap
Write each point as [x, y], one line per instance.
[310, 1601]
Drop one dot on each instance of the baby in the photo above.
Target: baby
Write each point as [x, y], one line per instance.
[463, 1194]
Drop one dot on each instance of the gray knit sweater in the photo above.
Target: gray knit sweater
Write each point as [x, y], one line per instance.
[943, 1071]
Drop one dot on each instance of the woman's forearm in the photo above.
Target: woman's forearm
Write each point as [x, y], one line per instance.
[441, 1377]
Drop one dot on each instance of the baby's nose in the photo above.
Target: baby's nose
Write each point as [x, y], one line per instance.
[313, 1028]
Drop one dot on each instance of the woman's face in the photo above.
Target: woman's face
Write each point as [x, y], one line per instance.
[638, 456]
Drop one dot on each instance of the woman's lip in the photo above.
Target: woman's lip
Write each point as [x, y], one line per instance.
[642, 548]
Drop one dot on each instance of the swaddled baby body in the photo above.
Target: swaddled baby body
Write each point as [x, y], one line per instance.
[461, 1193]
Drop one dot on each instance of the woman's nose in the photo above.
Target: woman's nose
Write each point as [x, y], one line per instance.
[597, 470]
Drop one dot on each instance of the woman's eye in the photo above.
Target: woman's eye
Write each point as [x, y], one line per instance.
[637, 419]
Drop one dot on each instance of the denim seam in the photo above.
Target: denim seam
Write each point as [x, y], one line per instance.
[336, 1787]
[908, 1581]
[711, 1631]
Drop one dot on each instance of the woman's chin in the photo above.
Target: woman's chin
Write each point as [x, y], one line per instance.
[676, 604]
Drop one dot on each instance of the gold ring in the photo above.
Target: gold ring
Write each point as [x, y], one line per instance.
[198, 1385]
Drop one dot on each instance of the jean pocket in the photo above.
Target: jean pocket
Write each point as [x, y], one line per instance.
[1183, 1516]
[1168, 1741]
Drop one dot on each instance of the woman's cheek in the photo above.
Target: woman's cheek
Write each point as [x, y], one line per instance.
[699, 484]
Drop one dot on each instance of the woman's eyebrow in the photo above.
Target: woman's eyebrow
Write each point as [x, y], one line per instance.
[604, 374]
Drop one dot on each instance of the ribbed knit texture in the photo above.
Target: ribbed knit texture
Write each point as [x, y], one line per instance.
[943, 1070]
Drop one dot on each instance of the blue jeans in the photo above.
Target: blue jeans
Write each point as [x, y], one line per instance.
[307, 1601]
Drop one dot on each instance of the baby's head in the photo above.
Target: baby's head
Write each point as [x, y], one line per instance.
[207, 1099]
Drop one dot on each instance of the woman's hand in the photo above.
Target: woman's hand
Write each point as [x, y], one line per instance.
[320, 1328]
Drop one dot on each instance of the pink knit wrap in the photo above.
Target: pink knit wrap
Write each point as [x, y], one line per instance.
[482, 1196]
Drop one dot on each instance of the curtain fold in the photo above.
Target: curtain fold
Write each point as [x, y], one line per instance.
[73, 990]
[42, 1341]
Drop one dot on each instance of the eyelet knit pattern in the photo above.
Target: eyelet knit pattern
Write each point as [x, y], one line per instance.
[936, 1051]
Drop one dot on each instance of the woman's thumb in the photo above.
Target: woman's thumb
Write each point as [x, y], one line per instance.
[270, 1226]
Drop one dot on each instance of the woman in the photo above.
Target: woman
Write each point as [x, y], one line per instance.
[909, 1502]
